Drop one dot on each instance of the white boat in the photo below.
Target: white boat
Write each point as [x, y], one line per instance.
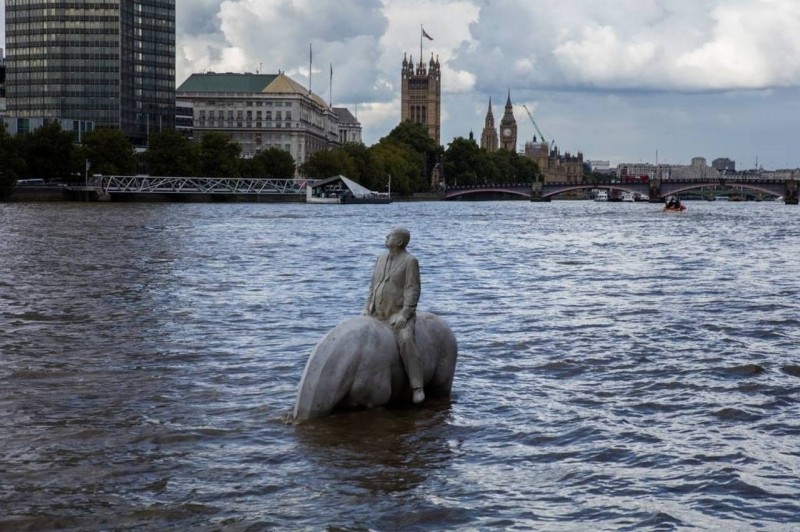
[628, 196]
[601, 195]
[340, 189]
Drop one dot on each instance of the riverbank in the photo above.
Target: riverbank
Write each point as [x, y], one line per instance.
[48, 193]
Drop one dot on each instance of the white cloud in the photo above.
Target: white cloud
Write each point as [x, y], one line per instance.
[611, 78]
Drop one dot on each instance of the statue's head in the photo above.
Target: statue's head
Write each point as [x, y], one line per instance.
[399, 236]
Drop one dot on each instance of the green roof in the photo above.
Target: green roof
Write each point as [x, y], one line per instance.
[213, 82]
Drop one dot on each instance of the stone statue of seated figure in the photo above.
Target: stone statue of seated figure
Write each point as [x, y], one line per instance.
[388, 355]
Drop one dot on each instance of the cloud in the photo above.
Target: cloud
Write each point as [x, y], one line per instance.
[649, 45]
[754, 45]
[617, 79]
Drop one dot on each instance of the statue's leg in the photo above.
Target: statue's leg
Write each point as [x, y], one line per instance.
[410, 355]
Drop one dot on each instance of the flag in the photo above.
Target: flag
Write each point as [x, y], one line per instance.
[425, 34]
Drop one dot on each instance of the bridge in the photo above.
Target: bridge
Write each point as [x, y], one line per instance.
[106, 186]
[655, 190]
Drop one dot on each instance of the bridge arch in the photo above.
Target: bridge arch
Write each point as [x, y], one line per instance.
[685, 187]
[460, 193]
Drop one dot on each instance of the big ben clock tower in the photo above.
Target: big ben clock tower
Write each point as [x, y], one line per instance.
[508, 128]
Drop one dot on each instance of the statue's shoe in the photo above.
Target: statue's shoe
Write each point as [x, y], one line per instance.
[419, 395]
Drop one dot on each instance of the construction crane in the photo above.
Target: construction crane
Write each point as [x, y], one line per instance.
[541, 135]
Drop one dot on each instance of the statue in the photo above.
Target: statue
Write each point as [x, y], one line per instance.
[388, 355]
[393, 296]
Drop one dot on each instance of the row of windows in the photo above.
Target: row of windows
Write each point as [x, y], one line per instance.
[57, 58]
[70, 7]
[53, 72]
[279, 115]
[39, 44]
[74, 99]
[110, 17]
[243, 124]
[91, 65]
[152, 97]
[249, 103]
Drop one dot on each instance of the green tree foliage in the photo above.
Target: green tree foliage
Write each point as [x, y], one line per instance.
[464, 162]
[403, 164]
[415, 136]
[368, 170]
[48, 152]
[329, 163]
[219, 155]
[273, 163]
[11, 164]
[467, 164]
[109, 152]
[171, 154]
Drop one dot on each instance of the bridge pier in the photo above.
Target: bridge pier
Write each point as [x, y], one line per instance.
[536, 192]
[790, 192]
[654, 193]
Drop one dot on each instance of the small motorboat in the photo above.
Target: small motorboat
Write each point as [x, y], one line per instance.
[674, 205]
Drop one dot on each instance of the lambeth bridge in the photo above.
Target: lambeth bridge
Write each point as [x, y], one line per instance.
[655, 190]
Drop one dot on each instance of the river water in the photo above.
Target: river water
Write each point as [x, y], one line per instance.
[619, 368]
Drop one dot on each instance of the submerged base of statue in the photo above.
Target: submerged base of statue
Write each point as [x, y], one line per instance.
[357, 365]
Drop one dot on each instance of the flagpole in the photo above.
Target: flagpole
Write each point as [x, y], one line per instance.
[330, 94]
[309, 68]
[420, 42]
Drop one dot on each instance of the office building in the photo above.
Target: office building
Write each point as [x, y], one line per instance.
[349, 126]
[2, 83]
[262, 111]
[107, 62]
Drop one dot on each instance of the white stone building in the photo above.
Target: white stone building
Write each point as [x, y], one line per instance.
[262, 111]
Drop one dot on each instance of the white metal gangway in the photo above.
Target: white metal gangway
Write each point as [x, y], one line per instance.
[198, 185]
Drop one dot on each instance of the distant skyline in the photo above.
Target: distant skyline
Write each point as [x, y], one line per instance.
[619, 80]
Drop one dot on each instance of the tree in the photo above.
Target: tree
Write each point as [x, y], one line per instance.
[272, 163]
[11, 163]
[527, 169]
[109, 152]
[464, 162]
[368, 171]
[219, 155]
[402, 163]
[48, 152]
[415, 137]
[329, 163]
[171, 154]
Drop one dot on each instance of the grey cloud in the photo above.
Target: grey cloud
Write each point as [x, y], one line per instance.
[197, 17]
[653, 45]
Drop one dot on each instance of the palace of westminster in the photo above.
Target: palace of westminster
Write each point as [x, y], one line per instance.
[421, 100]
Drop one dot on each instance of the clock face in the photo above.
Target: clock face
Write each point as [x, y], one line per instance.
[507, 132]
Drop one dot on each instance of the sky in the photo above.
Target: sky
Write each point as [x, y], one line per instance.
[628, 81]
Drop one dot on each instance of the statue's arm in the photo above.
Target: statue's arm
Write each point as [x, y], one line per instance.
[371, 292]
[412, 288]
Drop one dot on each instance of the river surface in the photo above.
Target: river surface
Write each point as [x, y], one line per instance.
[619, 368]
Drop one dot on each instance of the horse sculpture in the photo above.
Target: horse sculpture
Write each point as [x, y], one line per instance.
[357, 365]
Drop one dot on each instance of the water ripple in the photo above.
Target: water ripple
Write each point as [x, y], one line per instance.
[618, 369]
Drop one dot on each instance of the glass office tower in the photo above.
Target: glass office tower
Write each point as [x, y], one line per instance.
[111, 62]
